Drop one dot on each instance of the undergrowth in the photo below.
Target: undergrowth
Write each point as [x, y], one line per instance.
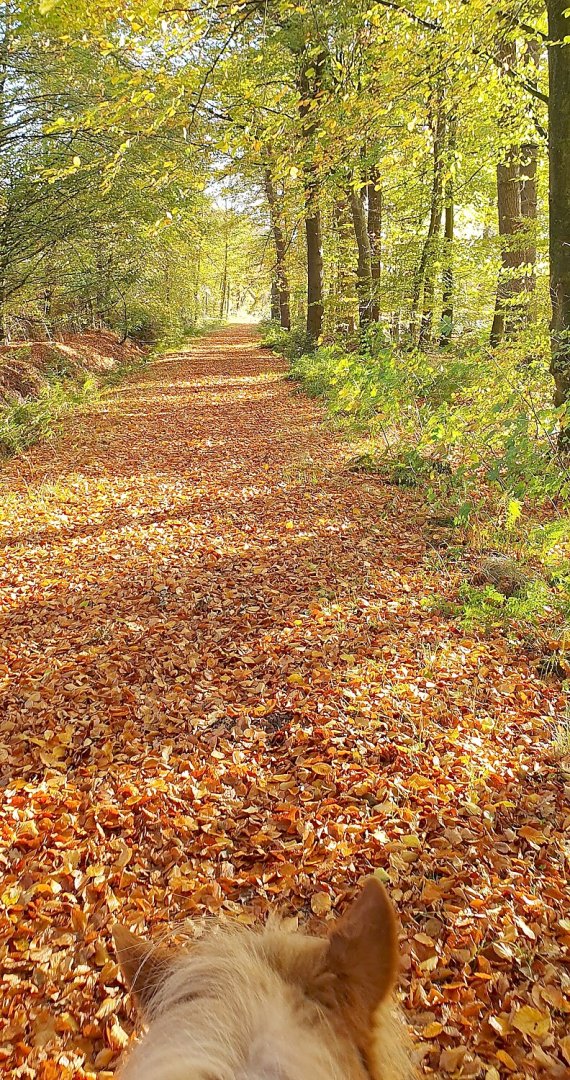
[476, 430]
[23, 423]
[31, 420]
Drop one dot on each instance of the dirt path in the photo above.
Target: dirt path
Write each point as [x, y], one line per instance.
[222, 684]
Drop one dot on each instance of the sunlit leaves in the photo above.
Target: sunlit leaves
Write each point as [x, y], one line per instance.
[221, 693]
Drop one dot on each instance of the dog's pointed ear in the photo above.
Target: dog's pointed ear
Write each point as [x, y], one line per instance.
[143, 965]
[363, 949]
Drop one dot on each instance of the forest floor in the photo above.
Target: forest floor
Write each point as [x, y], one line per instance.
[224, 687]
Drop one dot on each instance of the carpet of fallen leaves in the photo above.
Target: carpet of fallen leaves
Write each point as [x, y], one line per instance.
[221, 690]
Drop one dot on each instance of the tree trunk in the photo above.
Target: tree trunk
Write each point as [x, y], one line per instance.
[310, 77]
[510, 286]
[224, 283]
[196, 296]
[446, 327]
[529, 195]
[344, 292]
[315, 305]
[283, 305]
[375, 237]
[364, 268]
[275, 309]
[559, 157]
[509, 304]
[447, 311]
[424, 281]
[529, 205]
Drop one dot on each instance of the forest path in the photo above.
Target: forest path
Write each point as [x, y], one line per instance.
[223, 683]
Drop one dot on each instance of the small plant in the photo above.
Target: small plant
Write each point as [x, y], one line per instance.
[23, 423]
[290, 343]
[367, 462]
[305, 471]
[409, 468]
[439, 605]
[26, 422]
[487, 608]
[560, 742]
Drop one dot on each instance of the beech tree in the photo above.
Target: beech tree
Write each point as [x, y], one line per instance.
[559, 203]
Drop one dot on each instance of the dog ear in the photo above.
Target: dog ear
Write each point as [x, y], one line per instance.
[363, 950]
[144, 966]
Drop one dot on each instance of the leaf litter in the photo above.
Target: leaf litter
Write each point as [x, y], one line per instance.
[222, 691]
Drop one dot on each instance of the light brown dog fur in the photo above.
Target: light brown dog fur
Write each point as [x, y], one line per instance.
[271, 1005]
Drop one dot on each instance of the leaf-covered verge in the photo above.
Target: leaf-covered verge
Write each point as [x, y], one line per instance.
[41, 381]
[475, 430]
[228, 683]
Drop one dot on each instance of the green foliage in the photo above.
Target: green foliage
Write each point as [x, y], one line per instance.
[292, 344]
[561, 737]
[486, 608]
[23, 423]
[481, 417]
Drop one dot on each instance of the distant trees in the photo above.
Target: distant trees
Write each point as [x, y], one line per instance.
[102, 204]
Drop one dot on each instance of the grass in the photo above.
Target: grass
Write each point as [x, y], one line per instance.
[560, 742]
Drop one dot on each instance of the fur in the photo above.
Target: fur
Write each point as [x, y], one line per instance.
[261, 1005]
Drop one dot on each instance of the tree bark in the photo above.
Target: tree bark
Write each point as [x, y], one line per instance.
[509, 315]
[529, 207]
[224, 282]
[424, 280]
[364, 268]
[313, 233]
[375, 237]
[446, 327]
[196, 291]
[447, 304]
[559, 203]
[283, 297]
[344, 305]
[509, 306]
[310, 78]
[275, 310]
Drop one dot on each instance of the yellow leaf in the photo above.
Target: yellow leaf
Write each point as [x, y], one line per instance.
[321, 903]
[117, 1037]
[507, 1060]
[565, 1048]
[534, 835]
[500, 1023]
[107, 1008]
[293, 172]
[419, 782]
[432, 1030]
[295, 678]
[530, 1021]
[124, 857]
